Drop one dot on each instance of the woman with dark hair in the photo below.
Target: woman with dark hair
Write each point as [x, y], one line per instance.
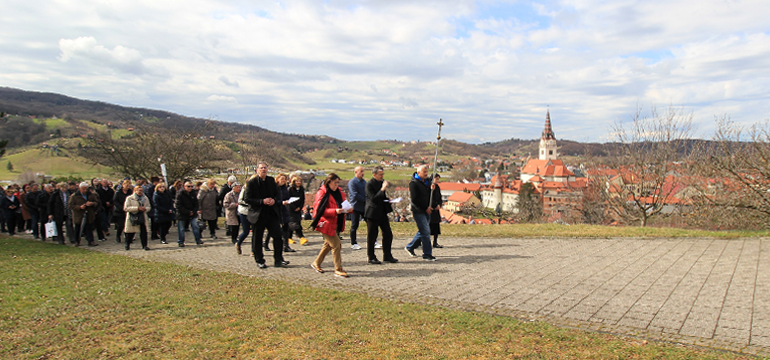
[230, 203]
[296, 190]
[164, 210]
[283, 209]
[120, 215]
[207, 198]
[329, 220]
[9, 205]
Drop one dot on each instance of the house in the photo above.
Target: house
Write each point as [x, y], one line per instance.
[459, 200]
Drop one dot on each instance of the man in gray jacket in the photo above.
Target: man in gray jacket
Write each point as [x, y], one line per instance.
[357, 191]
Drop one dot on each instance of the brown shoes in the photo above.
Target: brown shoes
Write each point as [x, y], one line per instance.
[238, 248]
[340, 274]
[317, 268]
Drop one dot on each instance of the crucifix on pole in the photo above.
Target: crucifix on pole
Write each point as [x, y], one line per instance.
[440, 124]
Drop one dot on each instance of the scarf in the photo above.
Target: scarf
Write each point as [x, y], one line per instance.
[322, 205]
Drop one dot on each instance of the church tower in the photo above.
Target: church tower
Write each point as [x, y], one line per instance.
[548, 140]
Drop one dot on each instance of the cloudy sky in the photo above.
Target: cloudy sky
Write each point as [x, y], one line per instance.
[389, 69]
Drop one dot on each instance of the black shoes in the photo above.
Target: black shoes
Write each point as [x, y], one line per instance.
[199, 243]
[410, 251]
[267, 248]
[163, 242]
[437, 246]
[391, 260]
[374, 262]
[146, 248]
[282, 264]
[288, 249]
[93, 244]
[262, 265]
[181, 244]
[429, 258]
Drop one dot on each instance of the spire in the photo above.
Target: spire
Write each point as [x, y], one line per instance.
[548, 132]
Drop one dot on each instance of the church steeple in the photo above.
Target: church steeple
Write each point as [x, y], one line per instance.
[548, 140]
[548, 132]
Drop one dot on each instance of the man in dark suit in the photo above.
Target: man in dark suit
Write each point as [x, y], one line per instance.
[260, 195]
[376, 215]
[60, 213]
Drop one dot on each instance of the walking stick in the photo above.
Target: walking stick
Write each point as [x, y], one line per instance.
[435, 159]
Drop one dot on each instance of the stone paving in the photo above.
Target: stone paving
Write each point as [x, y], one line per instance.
[697, 291]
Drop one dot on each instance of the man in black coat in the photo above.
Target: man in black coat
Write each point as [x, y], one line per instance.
[106, 195]
[261, 196]
[419, 198]
[42, 205]
[186, 205]
[376, 215]
[34, 211]
[58, 212]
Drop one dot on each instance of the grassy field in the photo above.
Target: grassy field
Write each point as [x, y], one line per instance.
[65, 302]
[36, 161]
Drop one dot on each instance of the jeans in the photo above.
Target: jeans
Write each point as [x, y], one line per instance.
[355, 219]
[246, 226]
[180, 224]
[423, 234]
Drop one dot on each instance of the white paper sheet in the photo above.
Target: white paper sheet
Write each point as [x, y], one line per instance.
[346, 205]
[292, 199]
[396, 200]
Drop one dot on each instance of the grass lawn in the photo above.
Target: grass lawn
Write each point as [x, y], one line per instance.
[39, 161]
[65, 302]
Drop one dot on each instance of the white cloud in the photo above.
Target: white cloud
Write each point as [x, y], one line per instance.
[315, 67]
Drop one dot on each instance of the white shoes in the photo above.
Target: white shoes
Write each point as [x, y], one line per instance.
[377, 245]
[355, 247]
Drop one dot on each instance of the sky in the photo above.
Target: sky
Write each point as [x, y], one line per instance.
[390, 69]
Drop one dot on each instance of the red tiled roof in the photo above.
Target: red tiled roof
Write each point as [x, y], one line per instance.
[460, 197]
[459, 186]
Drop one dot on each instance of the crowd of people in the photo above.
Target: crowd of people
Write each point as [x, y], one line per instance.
[263, 204]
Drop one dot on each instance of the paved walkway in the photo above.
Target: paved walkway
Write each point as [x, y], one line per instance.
[705, 292]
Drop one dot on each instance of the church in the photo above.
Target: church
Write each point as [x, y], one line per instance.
[558, 186]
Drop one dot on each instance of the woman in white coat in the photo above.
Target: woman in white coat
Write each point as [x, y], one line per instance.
[136, 207]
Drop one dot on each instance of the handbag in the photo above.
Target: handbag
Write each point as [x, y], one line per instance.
[136, 218]
[50, 229]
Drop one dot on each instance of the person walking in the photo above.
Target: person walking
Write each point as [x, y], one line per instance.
[435, 215]
[357, 191]
[226, 188]
[30, 200]
[186, 205]
[376, 214]
[283, 208]
[329, 220]
[59, 212]
[261, 195]
[163, 205]
[207, 198]
[419, 193]
[230, 203]
[10, 206]
[243, 215]
[83, 205]
[137, 207]
[42, 204]
[106, 197]
[296, 190]
[119, 199]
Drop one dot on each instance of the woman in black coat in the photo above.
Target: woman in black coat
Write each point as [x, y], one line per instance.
[10, 205]
[295, 209]
[163, 204]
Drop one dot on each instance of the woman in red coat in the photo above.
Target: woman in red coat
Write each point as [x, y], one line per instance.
[329, 220]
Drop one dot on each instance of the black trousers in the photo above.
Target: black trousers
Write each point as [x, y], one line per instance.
[10, 223]
[60, 229]
[233, 230]
[374, 226]
[142, 236]
[163, 228]
[355, 218]
[120, 224]
[87, 230]
[273, 227]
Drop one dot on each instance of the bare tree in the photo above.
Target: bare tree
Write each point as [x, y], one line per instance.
[653, 151]
[737, 171]
[140, 154]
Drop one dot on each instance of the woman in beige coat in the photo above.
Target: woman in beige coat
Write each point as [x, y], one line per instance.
[136, 207]
[207, 200]
[230, 204]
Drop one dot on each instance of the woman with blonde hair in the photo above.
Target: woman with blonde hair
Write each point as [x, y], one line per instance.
[329, 220]
[207, 198]
[295, 210]
[136, 207]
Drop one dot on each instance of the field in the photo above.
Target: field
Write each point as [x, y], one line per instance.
[40, 161]
[65, 302]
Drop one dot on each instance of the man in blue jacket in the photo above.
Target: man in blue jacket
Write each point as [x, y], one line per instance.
[357, 191]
